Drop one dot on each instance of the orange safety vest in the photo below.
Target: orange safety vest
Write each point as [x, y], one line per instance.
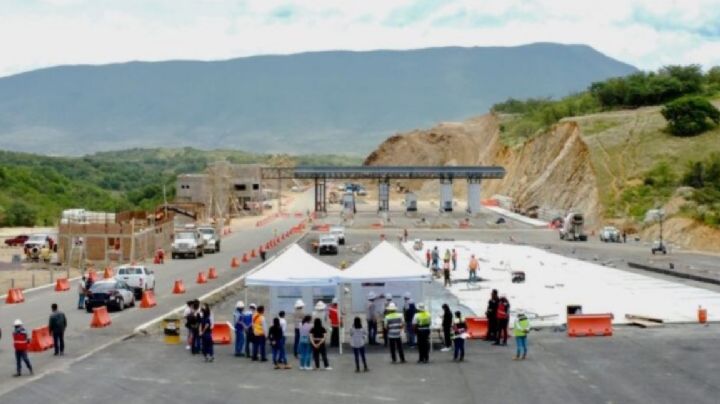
[473, 264]
[258, 324]
[20, 341]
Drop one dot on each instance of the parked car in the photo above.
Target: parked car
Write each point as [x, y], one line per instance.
[339, 233]
[111, 293]
[610, 234]
[211, 237]
[328, 245]
[17, 241]
[137, 277]
[188, 242]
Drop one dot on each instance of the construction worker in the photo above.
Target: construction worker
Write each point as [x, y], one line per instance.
[388, 301]
[239, 321]
[334, 317]
[372, 316]
[454, 259]
[473, 266]
[249, 335]
[20, 343]
[320, 313]
[421, 321]
[521, 329]
[503, 318]
[57, 325]
[394, 325]
[259, 328]
[491, 314]
[298, 316]
[459, 335]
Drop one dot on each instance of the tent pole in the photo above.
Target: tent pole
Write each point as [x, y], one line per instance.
[341, 312]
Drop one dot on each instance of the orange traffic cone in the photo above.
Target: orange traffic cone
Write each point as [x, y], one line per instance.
[234, 263]
[179, 287]
[201, 277]
[245, 258]
[212, 273]
[148, 299]
[252, 253]
[108, 273]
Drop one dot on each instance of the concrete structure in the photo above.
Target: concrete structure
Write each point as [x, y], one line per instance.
[446, 195]
[384, 195]
[473, 202]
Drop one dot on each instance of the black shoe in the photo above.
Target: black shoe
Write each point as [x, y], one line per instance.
[254, 359]
[56, 354]
[32, 373]
[357, 370]
[17, 375]
[496, 343]
[263, 360]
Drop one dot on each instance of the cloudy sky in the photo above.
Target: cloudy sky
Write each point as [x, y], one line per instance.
[645, 33]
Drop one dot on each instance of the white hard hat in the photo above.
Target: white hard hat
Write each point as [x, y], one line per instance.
[391, 307]
[388, 296]
[421, 306]
[253, 306]
[334, 301]
[17, 322]
[299, 304]
[240, 305]
[320, 305]
[407, 295]
[371, 295]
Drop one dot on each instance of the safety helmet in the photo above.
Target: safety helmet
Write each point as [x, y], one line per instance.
[388, 296]
[253, 306]
[421, 306]
[17, 322]
[391, 307]
[407, 295]
[240, 305]
[371, 296]
[334, 300]
[299, 304]
[319, 306]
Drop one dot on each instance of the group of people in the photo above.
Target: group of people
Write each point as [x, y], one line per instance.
[57, 323]
[449, 263]
[498, 316]
[199, 323]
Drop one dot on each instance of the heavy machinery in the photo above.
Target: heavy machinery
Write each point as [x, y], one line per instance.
[572, 228]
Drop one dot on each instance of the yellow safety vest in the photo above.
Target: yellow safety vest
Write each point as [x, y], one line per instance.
[423, 319]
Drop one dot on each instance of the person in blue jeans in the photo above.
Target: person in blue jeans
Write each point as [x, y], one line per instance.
[521, 328]
[206, 325]
[277, 344]
[247, 320]
[459, 330]
[304, 348]
[239, 321]
[357, 342]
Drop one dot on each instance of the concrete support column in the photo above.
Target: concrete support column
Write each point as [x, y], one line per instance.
[320, 195]
[446, 195]
[473, 202]
[384, 196]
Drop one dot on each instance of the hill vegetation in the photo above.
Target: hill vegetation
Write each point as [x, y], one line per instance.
[34, 189]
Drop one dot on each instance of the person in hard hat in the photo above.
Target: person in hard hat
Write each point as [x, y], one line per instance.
[473, 266]
[335, 320]
[57, 325]
[304, 348]
[20, 343]
[298, 316]
[453, 257]
[394, 325]
[447, 321]
[521, 329]
[372, 316]
[388, 301]
[318, 337]
[239, 322]
[409, 314]
[459, 335]
[206, 325]
[357, 342]
[259, 334]
[249, 335]
[421, 322]
[503, 318]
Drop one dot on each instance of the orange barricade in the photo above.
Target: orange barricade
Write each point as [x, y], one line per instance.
[148, 299]
[40, 340]
[234, 263]
[252, 253]
[212, 273]
[62, 285]
[589, 325]
[179, 287]
[14, 296]
[477, 327]
[490, 202]
[464, 225]
[100, 317]
[201, 278]
[108, 273]
[245, 258]
[222, 333]
[376, 225]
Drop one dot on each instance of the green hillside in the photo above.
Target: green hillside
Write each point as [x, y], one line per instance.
[34, 189]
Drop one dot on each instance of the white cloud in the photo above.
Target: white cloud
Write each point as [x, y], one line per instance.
[646, 33]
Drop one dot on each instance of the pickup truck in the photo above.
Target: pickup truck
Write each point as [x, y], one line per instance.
[137, 277]
[211, 237]
[328, 245]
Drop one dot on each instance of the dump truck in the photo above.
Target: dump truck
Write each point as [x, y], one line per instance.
[572, 228]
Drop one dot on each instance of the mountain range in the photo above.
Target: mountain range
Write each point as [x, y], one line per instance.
[319, 102]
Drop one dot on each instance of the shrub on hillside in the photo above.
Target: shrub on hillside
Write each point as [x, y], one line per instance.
[689, 116]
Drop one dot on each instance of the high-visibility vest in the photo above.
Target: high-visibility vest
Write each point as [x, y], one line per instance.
[258, 325]
[521, 327]
[20, 340]
[423, 319]
[393, 324]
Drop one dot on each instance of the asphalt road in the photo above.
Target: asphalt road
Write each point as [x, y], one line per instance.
[82, 340]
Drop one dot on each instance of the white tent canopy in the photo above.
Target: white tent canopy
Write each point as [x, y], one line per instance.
[385, 263]
[294, 267]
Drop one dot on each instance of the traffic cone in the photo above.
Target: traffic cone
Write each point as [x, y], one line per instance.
[252, 253]
[201, 277]
[108, 273]
[148, 299]
[245, 258]
[212, 273]
[234, 263]
[179, 287]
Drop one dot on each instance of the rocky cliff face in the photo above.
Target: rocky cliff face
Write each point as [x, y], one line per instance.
[552, 171]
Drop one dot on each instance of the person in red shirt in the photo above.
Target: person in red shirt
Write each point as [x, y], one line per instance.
[334, 316]
[503, 317]
[20, 343]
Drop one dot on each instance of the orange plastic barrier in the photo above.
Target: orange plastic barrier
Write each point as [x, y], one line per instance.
[62, 285]
[252, 253]
[179, 287]
[100, 317]
[108, 273]
[477, 327]
[245, 258]
[490, 202]
[702, 315]
[234, 263]
[201, 278]
[212, 273]
[589, 325]
[222, 333]
[40, 340]
[148, 299]
[376, 225]
[464, 225]
[14, 296]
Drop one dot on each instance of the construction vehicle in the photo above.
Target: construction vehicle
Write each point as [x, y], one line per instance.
[572, 228]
